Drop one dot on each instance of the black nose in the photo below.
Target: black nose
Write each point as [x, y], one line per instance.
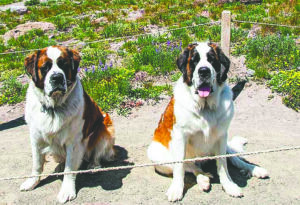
[57, 79]
[204, 72]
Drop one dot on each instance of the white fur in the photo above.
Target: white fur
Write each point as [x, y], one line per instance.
[53, 53]
[200, 129]
[59, 133]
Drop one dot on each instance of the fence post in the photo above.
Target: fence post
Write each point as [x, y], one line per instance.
[225, 32]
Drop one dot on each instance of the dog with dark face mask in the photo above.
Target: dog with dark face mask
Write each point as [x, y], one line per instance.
[63, 120]
[196, 120]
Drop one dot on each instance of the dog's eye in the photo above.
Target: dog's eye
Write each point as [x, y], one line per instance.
[196, 58]
[46, 67]
[62, 63]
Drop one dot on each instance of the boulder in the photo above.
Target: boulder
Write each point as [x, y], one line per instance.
[24, 28]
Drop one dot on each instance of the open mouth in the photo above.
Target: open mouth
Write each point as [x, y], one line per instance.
[57, 91]
[204, 91]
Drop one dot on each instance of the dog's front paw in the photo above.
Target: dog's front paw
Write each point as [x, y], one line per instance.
[203, 182]
[260, 172]
[29, 184]
[232, 189]
[175, 191]
[66, 194]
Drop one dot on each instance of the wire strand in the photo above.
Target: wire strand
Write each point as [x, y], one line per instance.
[117, 38]
[155, 164]
[268, 24]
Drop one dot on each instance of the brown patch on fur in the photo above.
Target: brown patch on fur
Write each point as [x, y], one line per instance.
[214, 47]
[188, 69]
[162, 133]
[97, 124]
[33, 64]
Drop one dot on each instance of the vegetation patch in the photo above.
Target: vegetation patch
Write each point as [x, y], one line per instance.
[112, 88]
[280, 56]
[12, 91]
[271, 53]
[288, 83]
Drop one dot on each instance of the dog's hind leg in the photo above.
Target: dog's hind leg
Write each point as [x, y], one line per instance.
[251, 169]
[158, 153]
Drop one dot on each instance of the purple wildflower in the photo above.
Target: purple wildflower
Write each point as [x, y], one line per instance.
[85, 69]
[168, 43]
[93, 69]
[105, 68]
[111, 64]
[100, 63]
[78, 69]
[156, 50]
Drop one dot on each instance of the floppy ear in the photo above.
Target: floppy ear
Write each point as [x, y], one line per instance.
[75, 60]
[225, 64]
[183, 63]
[224, 61]
[31, 65]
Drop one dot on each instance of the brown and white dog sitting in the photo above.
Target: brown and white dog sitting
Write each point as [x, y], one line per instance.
[195, 122]
[63, 120]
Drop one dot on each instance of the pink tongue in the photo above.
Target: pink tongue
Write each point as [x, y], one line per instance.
[204, 92]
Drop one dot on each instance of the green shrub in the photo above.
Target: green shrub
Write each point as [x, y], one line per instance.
[32, 2]
[161, 58]
[4, 2]
[270, 53]
[112, 87]
[107, 86]
[288, 83]
[12, 91]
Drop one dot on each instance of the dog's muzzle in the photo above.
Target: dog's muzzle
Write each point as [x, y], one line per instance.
[57, 82]
[205, 88]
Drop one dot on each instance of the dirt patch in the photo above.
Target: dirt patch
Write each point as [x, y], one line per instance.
[265, 123]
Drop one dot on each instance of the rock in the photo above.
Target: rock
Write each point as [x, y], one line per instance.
[205, 13]
[242, 1]
[19, 9]
[254, 31]
[199, 2]
[134, 15]
[100, 20]
[250, 72]
[24, 28]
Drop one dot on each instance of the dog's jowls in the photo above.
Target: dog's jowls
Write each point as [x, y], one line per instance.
[63, 120]
[195, 122]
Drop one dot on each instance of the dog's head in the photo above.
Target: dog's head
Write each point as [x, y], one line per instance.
[53, 69]
[204, 67]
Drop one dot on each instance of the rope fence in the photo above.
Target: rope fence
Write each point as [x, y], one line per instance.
[262, 23]
[198, 159]
[160, 31]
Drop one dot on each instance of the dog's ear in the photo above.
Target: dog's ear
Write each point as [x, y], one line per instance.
[30, 64]
[225, 64]
[224, 61]
[75, 60]
[183, 63]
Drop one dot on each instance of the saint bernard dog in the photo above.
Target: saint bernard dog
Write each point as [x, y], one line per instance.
[196, 120]
[63, 120]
